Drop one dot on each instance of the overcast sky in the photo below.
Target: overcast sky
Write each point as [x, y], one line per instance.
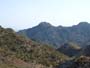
[21, 14]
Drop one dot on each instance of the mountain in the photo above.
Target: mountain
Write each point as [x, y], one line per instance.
[70, 49]
[44, 33]
[57, 36]
[17, 51]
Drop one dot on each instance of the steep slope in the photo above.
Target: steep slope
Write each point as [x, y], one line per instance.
[57, 36]
[18, 52]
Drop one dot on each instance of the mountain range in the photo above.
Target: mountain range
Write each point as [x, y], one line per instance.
[18, 50]
[58, 36]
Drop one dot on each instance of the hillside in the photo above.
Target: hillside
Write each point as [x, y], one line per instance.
[70, 49]
[86, 50]
[79, 62]
[18, 52]
[57, 36]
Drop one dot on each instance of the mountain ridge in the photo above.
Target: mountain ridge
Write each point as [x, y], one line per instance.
[56, 36]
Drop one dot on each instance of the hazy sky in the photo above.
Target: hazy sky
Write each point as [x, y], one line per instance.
[21, 14]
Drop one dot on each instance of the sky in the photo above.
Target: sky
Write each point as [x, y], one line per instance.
[22, 14]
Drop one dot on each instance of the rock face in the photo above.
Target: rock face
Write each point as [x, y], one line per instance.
[57, 36]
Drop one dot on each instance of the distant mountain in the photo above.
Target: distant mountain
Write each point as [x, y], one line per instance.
[57, 36]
